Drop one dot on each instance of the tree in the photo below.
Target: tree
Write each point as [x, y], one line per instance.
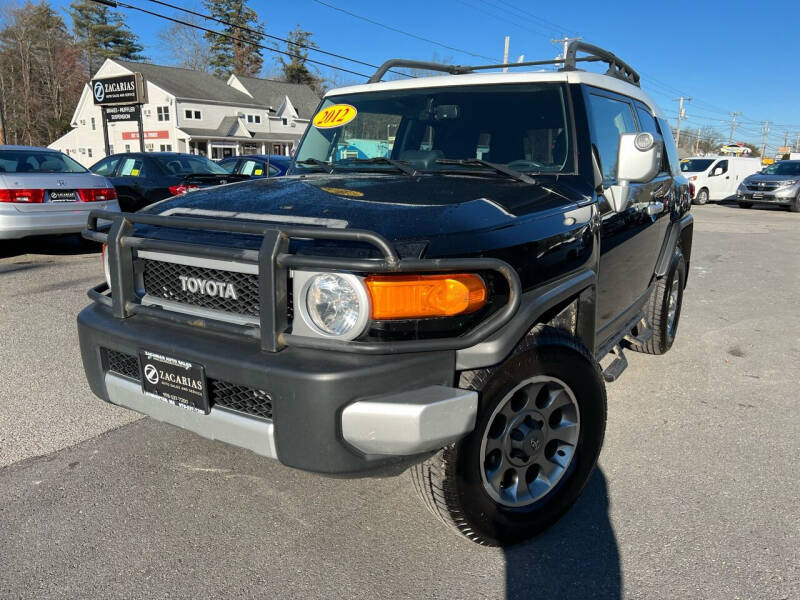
[187, 46]
[240, 53]
[292, 65]
[102, 34]
[41, 76]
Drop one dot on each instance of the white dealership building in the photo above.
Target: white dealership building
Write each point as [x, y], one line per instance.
[196, 112]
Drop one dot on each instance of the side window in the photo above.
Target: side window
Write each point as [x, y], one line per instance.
[250, 167]
[132, 167]
[610, 118]
[670, 147]
[646, 120]
[273, 170]
[723, 164]
[106, 167]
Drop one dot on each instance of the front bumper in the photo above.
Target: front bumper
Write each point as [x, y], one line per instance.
[331, 412]
[63, 218]
[784, 196]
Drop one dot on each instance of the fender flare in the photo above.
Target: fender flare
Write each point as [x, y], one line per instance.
[535, 303]
[674, 234]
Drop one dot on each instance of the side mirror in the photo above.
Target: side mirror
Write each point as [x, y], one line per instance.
[638, 161]
[716, 172]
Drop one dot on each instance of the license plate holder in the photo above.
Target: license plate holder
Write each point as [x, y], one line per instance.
[758, 195]
[177, 381]
[63, 195]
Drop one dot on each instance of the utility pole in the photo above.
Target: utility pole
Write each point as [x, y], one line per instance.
[565, 40]
[505, 54]
[733, 125]
[697, 142]
[797, 144]
[764, 135]
[681, 115]
[786, 138]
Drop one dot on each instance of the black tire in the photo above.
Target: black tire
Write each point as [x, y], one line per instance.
[657, 309]
[701, 197]
[450, 482]
[795, 205]
[745, 205]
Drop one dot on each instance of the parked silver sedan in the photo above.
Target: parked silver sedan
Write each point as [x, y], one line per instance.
[43, 191]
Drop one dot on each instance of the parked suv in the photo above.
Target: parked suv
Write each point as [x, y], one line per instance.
[778, 183]
[443, 303]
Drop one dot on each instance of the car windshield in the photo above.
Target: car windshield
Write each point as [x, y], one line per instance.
[523, 127]
[695, 165]
[33, 161]
[783, 168]
[190, 165]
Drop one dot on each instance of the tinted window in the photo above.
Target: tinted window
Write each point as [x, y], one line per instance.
[524, 126]
[695, 165]
[723, 164]
[610, 118]
[273, 170]
[32, 161]
[670, 147]
[106, 166]
[189, 165]
[229, 164]
[646, 121]
[251, 167]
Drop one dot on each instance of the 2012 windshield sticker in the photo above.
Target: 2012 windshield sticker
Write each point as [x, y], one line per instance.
[335, 115]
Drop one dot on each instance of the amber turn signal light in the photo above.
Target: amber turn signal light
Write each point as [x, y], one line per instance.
[419, 296]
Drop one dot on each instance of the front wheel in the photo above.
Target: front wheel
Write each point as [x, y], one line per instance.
[702, 196]
[795, 205]
[540, 427]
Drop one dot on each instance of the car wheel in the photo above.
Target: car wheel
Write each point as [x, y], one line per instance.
[702, 196]
[795, 205]
[745, 205]
[663, 309]
[540, 426]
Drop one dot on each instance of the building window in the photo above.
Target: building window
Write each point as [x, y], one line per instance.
[187, 114]
[127, 147]
[166, 147]
[249, 118]
[254, 118]
[285, 121]
[257, 118]
[89, 152]
[197, 115]
[149, 147]
[190, 114]
[162, 113]
[93, 126]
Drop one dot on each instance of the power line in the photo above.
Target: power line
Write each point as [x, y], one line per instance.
[117, 4]
[535, 17]
[406, 33]
[268, 35]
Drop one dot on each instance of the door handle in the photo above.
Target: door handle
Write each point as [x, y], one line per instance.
[655, 208]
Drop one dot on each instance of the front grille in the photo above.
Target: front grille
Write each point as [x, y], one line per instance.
[232, 396]
[121, 363]
[768, 187]
[162, 280]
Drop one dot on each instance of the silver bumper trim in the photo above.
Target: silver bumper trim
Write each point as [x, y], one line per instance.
[238, 430]
[410, 422]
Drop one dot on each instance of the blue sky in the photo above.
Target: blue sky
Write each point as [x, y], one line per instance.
[729, 56]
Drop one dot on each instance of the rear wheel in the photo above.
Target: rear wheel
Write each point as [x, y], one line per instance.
[745, 205]
[663, 310]
[702, 196]
[540, 426]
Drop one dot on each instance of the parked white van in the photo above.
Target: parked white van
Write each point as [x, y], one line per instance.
[716, 177]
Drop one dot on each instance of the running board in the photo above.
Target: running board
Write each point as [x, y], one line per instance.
[617, 366]
[644, 332]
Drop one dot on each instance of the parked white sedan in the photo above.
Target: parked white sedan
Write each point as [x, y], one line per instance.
[43, 191]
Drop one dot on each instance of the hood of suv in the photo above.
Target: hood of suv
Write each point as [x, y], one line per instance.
[755, 178]
[397, 207]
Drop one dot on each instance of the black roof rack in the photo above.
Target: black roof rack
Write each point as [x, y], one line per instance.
[617, 67]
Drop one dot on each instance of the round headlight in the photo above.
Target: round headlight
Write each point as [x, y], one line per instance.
[337, 305]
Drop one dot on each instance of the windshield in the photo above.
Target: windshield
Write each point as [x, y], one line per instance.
[695, 165]
[783, 168]
[33, 161]
[523, 127]
[190, 165]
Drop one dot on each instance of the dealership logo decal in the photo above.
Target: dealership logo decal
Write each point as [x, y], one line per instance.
[99, 91]
[206, 287]
[151, 373]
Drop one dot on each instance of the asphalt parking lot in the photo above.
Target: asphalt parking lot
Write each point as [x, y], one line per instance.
[695, 495]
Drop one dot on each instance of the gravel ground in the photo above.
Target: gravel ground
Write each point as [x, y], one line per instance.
[695, 495]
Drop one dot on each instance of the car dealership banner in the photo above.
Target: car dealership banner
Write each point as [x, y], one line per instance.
[121, 99]
[116, 114]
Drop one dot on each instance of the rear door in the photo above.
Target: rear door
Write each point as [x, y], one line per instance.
[630, 239]
[131, 182]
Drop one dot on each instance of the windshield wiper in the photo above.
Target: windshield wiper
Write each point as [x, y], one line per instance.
[478, 162]
[324, 164]
[400, 165]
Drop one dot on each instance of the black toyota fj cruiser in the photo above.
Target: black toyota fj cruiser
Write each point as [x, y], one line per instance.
[435, 285]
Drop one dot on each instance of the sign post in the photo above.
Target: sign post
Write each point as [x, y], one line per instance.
[121, 99]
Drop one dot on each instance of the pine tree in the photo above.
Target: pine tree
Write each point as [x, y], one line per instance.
[293, 67]
[102, 33]
[240, 56]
